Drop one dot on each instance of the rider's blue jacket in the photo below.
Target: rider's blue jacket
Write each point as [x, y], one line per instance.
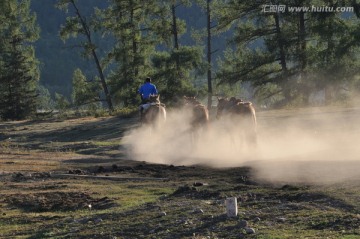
[147, 89]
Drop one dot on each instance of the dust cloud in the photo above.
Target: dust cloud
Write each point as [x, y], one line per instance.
[311, 145]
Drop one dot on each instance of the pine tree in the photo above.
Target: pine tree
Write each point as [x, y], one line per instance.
[335, 62]
[61, 102]
[127, 22]
[296, 52]
[138, 30]
[176, 65]
[78, 25]
[44, 100]
[265, 65]
[209, 6]
[85, 93]
[19, 73]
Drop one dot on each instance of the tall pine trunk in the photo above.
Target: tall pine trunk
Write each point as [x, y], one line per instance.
[175, 32]
[302, 41]
[134, 43]
[209, 72]
[177, 79]
[96, 58]
[280, 41]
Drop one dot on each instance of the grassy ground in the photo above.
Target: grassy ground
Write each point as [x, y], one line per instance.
[74, 179]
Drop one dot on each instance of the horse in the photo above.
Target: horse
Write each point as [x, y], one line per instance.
[199, 112]
[153, 113]
[199, 117]
[241, 115]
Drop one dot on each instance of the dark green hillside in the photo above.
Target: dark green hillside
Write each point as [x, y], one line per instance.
[58, 59]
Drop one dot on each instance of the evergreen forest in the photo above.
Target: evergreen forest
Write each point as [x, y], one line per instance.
[94, 54]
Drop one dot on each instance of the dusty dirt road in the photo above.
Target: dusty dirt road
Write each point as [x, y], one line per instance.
[302, 180]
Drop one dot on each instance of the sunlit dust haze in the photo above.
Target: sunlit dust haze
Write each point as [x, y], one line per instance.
[313, 145]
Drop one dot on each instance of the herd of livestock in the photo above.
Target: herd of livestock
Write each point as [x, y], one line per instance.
[234, 111]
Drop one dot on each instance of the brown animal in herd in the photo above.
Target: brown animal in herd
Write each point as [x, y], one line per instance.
[200, 114]
[241, 115]
[155, 114]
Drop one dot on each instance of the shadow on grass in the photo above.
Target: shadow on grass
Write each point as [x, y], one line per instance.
[99, 137]
[103, 129]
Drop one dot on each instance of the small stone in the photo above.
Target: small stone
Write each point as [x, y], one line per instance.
[257, 219]
[188, 222]
[250, 230]
[281, 219]
[198, 184]
[243, 224]
[162, 214]
[82, 220]
[198, 210]
[98, 220]
[163, 197]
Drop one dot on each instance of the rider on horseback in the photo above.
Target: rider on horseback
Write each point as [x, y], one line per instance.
[145, 91]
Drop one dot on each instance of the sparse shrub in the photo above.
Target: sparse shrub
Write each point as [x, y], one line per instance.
[126, 111]
[102, 112]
